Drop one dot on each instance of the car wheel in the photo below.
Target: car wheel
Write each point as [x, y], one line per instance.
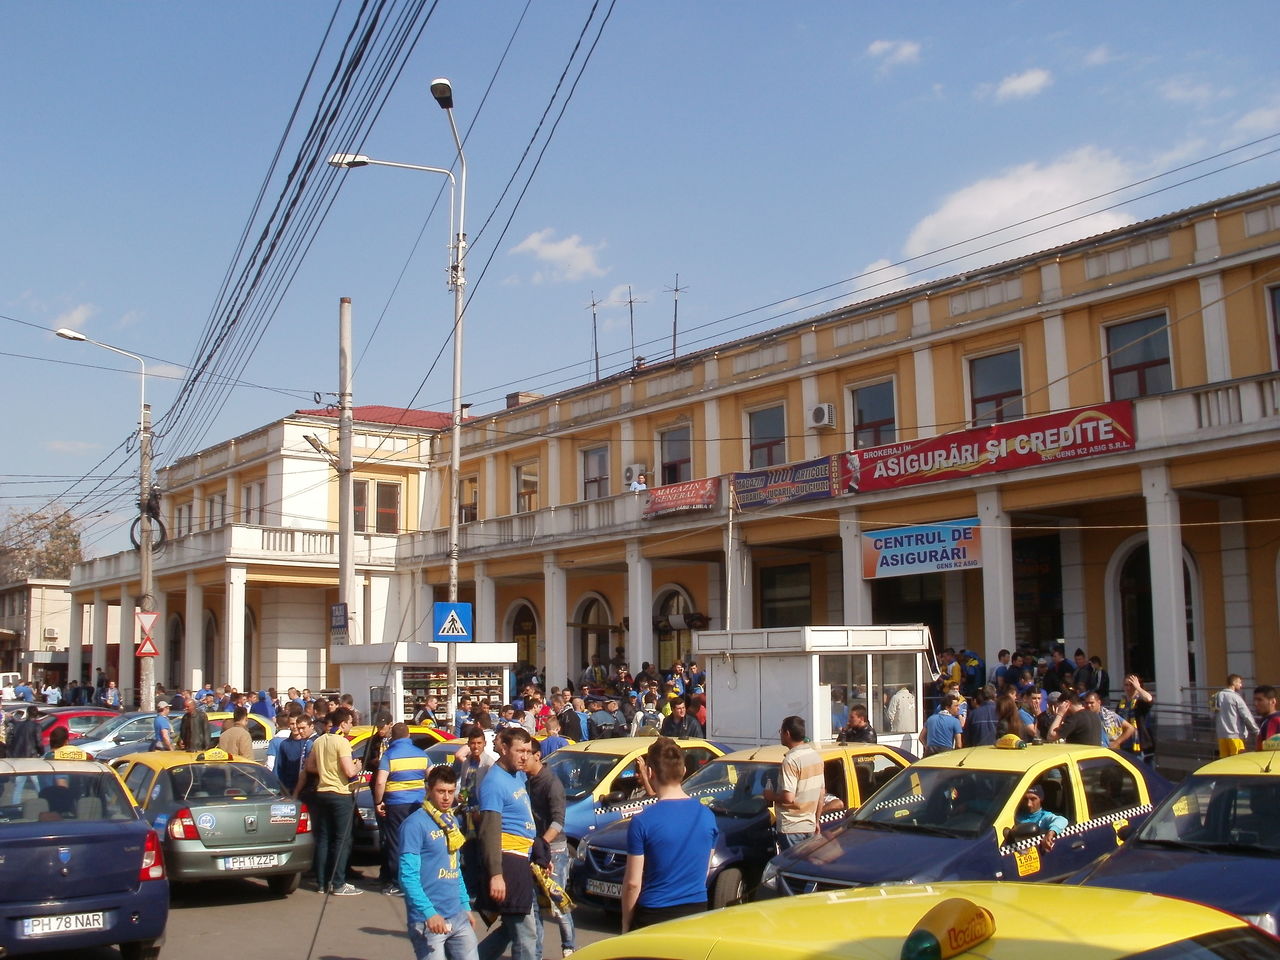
[284, 884]
[729, 888]
[141, 950]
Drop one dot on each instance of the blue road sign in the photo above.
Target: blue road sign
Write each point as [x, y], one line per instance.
[451, 623]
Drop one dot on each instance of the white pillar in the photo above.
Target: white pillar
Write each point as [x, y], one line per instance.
[711, 449]
[1075, 601]
[99, 632]
[739, 582]
[1168, 596]
[1055, 353]
[640, 642]
[1213, 315]
[485, 620]
[997, 577]
[195, 672]
[555, 599]
[128, 649]
[160, 635]
[926, 410]
[808, 400]
[1237, 609]
[75, 644]
[233, 629]
[857, 591]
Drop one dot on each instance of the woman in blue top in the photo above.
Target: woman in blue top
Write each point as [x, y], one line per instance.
[668, 846]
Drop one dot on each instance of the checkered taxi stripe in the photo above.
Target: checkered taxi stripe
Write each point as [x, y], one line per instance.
[1128, 813]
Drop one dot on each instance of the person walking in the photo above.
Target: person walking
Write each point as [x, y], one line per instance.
[333, 804]
[506, 834]
[669, 843]
[800, 786]
[1232, 721]
[399, 789]
[437, 907]
[550, 848]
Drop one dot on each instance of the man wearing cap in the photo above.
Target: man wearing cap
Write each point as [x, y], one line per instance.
[162, 728]
[607, 719]
[1031, 810]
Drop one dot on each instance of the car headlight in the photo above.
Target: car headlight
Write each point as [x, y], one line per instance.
[1264, 921]
[580, 854]
[769, 878]
[369, 816]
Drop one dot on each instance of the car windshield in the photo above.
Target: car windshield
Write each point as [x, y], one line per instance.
[956, 800]
[1229, 812]
[109, 726]
[443, 752]
[732, 787]
[202, 781]
[1239, 943]
[579, 772]
[91, 794]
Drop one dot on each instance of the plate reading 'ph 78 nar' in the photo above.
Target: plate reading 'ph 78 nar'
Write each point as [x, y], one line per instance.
[64, 923]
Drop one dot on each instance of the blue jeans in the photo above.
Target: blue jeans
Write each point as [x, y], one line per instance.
[560, 870]
[458, 944]
[519, 930]
[787, 840]
[332, 815]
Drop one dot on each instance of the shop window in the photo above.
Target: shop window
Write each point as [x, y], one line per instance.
[595, 473]
[995, 384]
[785, 596]
[874, 418]
[767, 430]
[527, 487]
[1138, 358]
[677, 460]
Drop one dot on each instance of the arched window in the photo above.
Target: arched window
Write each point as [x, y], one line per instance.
[174, 639]
[592, 635]
[524, 634]
[1137, 632]
[673, 644]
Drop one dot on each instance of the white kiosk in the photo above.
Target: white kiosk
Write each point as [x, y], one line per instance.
[757, 677]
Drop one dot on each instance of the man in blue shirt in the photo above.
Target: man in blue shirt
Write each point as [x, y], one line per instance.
[162, 728]
[507, 832]
[399, 788]
[943, 730]
[437, 906]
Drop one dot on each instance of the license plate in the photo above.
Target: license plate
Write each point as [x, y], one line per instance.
[64, 923]
[602, 888]
[254, 862]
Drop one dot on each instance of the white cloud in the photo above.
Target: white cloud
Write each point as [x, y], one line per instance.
[1099, 56]
[77, 318]
[567, 260]
[881, 277]
[1018, 193]
[892, 53]
[1019, 86]
[1260, 121]
[70, 446]
[1182, 90]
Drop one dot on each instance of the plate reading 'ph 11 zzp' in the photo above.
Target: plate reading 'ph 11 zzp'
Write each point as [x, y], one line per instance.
[64, 923]
[248, 863]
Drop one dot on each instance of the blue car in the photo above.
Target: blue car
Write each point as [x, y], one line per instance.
[81, 868]
[954, 816]
[1216, 840]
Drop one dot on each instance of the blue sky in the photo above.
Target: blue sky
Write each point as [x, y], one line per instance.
[760, 152]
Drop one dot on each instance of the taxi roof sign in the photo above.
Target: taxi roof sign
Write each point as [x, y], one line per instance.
[213, 753]
[950, 928]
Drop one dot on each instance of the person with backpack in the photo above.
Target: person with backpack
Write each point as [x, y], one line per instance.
[648, 720]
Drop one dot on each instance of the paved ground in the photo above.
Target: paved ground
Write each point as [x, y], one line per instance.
[240, 919]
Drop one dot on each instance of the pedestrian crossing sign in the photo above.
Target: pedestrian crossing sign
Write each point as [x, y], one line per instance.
[452, 623]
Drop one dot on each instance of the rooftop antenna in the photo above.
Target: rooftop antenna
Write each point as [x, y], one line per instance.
[675, 312]
[631, 309]
[595, 341]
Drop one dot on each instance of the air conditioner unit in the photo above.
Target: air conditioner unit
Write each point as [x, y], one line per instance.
[822, 415]
[50, 647]
[633, 470]
[51, 633]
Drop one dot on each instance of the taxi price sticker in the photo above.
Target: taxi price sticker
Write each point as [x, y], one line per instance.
[1028, 861]
[1182, 806]
[1117, 826]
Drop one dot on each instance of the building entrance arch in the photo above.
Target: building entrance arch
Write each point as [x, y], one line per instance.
[675, 640]
[521, 628]
[591, 634]
[1132, 642]
[174, 644]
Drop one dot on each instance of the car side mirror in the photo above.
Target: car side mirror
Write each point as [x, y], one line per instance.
[1125, 832]
[117, 739]
[1022, 831]
[615, 796]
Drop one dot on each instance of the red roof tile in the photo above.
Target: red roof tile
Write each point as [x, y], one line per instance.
[396, 416]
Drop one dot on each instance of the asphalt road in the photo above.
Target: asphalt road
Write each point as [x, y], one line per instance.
[241, 919]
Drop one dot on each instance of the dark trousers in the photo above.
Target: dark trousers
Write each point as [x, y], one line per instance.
[397, 813]
[332, 816]
[648, 916]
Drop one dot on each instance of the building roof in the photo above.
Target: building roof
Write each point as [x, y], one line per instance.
[395, 416]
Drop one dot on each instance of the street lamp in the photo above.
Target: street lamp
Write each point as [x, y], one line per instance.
[146, 601]
[442, 90]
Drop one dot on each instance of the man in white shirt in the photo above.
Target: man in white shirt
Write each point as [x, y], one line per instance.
[801, 786]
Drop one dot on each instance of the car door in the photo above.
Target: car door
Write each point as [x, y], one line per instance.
[138, 779]
[1114, 796]
[1025, 858]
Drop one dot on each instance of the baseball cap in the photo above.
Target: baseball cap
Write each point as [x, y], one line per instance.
[1055, 697]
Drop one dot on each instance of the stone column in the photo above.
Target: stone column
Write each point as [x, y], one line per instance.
[640, 642]
[997, 577]
[128, 650]
[233, 628]
[195, 672]
[1168, 595]
[75, 642]
[555, 588]
[857, 591]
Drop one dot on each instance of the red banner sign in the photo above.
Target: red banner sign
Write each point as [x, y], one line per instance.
[676, 497]
[1034, 441]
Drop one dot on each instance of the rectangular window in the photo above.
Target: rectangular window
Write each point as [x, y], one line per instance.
[1138, 358]
[1275, 320]
[217, 510]
[995, 383]
[469, 500]
[785, 596]
[388, 517]
[527, 487]
[677, 455]
[595, 473]
[360, 504]
[183, 519]
[874, 420]
[767, 430]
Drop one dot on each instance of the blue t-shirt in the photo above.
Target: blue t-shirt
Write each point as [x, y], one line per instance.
[429, 874]
[504, 793]
[941, 730]
[552, 744]
[158, 726]
[675, 837]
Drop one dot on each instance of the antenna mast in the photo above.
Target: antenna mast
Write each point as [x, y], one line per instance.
[595, 342]
[675, 312]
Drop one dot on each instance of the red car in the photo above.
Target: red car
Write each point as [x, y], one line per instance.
[77, 720]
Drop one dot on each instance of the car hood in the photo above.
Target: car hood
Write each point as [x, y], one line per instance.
[860, 855]
[1237, 883]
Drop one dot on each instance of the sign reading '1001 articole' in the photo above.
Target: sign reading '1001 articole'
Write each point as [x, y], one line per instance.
[932, 548]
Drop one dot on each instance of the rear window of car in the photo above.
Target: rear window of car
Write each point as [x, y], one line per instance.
[91, 795]
[200, 781]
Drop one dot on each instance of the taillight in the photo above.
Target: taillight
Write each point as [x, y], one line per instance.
[182, 826]
[152, 859]
[304, 820]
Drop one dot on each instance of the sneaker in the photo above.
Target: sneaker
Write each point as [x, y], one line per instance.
[346, 890]
[567, 952]
[391, 890]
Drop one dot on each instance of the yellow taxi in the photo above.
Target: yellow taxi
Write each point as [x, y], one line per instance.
[969, 921]
[220, 816]
[260, 730]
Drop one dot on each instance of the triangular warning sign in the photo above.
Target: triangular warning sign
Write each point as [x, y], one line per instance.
[452, 626]
[147, 648]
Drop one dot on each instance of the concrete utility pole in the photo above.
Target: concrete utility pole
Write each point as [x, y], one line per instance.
[346, 468]
[146, 575]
